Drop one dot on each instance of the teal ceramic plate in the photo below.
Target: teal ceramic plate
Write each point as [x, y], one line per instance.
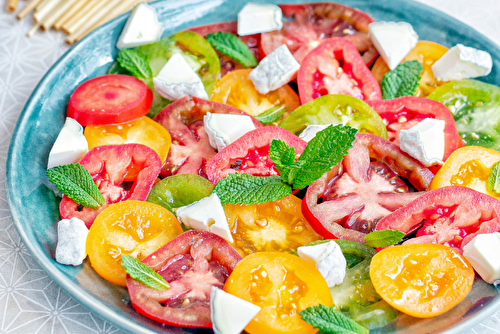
[34, 206]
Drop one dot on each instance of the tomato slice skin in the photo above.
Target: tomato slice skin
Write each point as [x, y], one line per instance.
[358, 192]
[335, 67]
[252, 146]
[192, 263]
[110, 166]
[190, 150]
[109, 99]
[453, 217]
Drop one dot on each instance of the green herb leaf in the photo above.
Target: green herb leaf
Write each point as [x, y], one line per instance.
[241, 188]
[139, 271]
[494, 179]
[329, 321]
[232, 46]
[75, 181]
[402, 81]
[136, 63]
[384, 238]
[271, 115]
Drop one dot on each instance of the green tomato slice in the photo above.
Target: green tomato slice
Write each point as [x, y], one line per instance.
[336, 109]
[475, 106]
[180, 190]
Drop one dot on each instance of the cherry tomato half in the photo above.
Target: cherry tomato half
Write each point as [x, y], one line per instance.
[132, 228]
[282, 285]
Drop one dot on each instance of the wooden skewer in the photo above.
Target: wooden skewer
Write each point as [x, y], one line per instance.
[11, 5]
[48, 22]
[75, 21]
[28, 8]
[48, 7]
[67, 15]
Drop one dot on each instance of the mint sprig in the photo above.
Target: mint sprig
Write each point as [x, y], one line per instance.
[136, 63]
[75, 181]
[271, 115]
[493, 184]
[384, 238]
[232, 46]
[139, 271]
[402, 81]
[329, 321]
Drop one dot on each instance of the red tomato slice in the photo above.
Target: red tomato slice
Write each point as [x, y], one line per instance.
[349, 201]
[312, 23]
[190, 150]
[404, 112]
[110, 99]
[335, 67]
[250, 153]
[228, 64]
[192, 264]
[450, 216]
[121, 172]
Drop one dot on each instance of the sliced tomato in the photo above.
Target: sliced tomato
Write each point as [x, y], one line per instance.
[109, 99]
[250, 153]
[335, 67]
[404, 112]
[349, 201]
[228, 64]
[190, 150]
[192, 264]
[450, 216]
[121, 172]
[312, 23]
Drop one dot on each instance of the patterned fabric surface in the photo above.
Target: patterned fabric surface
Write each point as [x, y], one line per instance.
[30, 302]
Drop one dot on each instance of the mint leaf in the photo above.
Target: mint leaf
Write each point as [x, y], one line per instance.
[241, 188]
[493, 184]
[136, 63]
[329, 321]
[75, 181]
[232, 46]
[139, 271]
[384, 238]
[322, 153]
[271, 115]
[402, 81]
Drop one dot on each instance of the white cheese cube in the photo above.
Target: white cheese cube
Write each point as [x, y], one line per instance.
[229, 313]
[70, 145]
[311, 130]
[71, 238]
[462, 62]
[142, 27]
[393, 40]
[177, 79]
[424, 141]
[255, 18]
[206, 214]
[223, 129]
[274, 71]
[329, 260]
[482, 253]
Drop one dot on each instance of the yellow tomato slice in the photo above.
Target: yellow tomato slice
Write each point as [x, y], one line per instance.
[132, 228]
[277, 226]
[143, 131]
[282, 285]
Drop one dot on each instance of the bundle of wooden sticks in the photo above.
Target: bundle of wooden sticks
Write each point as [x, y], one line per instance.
[74, 17]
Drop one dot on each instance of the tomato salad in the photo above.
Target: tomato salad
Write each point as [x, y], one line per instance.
[281, 177]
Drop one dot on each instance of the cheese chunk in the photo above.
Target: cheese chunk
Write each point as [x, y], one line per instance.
[462, 62]
[71, 238]
[255, 18]
[393, 40]
[482, 253]
[206, 214]
[142, 27]
[70, 145]
[223, 129]
[311, 130]
[274, 71]
[229, 313]
[424, 141]
[177, 79]
[329, 260]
